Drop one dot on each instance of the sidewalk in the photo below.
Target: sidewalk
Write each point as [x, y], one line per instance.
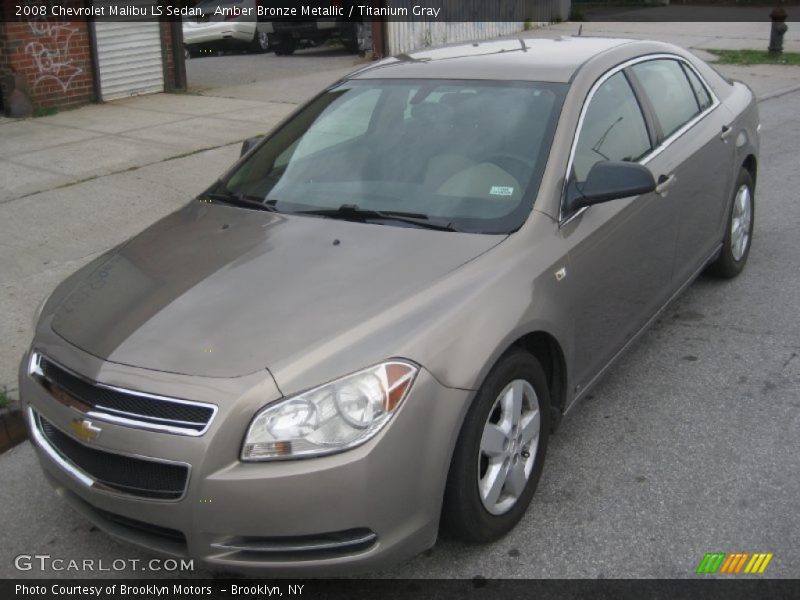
[766, 80]
[80, 182]
[77, 183]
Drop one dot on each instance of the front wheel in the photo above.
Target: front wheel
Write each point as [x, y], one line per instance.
[260, 42]
[500, 452]
[739, 230]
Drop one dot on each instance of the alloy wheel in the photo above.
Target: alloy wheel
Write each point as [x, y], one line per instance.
[741, 220]
[508, 447]
[263, 40]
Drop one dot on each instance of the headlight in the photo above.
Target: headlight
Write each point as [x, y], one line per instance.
[336, 416]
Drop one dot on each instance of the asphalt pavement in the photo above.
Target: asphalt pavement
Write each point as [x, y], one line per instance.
[689, 445]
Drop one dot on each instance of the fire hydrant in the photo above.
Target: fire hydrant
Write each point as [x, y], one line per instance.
[779, 28]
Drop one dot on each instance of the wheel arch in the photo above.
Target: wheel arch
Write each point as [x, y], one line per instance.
[546, 349]
[750, 164]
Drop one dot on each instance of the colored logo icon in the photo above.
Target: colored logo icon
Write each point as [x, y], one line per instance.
[735, 563]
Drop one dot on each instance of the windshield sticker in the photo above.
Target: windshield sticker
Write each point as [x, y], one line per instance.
[501, 190]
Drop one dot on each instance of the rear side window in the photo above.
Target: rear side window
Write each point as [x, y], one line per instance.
[613, 128]
[700, 91]
[669, 91]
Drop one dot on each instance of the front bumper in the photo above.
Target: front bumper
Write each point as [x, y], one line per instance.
[218, 31]
[375, 504]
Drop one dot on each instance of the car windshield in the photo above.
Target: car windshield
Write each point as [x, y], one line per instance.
[460, 155]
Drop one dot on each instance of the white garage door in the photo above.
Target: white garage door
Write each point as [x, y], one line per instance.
[129, 59]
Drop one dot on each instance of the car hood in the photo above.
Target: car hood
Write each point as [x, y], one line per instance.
[219, 291]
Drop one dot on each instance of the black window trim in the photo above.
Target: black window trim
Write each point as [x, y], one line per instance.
[694, 91]
[645, 106]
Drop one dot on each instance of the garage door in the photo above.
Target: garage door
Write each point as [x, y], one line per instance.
[129, 58]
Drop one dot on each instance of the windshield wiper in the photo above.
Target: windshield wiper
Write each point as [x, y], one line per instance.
[351, 212]
[239, 199]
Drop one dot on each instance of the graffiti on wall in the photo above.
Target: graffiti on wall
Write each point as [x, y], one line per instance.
[51, 53]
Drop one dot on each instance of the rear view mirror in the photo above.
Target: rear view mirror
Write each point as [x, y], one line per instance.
[609, 180]
[248, 144]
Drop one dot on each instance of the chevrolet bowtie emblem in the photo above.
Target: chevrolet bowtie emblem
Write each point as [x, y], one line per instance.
[84, 430]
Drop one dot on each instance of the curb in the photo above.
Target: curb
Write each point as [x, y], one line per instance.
[779, 93]
[12, 429]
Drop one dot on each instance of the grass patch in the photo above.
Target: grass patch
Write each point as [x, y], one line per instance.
[44, 111]
[4, 399]
[755, 57]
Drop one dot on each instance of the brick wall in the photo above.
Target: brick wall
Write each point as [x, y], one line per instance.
[166, 52]
[54, 57]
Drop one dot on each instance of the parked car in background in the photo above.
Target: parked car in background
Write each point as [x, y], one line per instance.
[369, 326]
[288, 34]
[218, 32]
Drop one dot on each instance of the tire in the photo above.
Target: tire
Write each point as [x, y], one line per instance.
[736, 244]
[285, 47]
[351, 46]
[260, 43]
[349, 36]
[469, 512]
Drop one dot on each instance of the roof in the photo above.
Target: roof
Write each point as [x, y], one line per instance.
[535, 59]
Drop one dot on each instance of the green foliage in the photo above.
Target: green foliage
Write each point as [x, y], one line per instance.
[44, 111]
[755, 57]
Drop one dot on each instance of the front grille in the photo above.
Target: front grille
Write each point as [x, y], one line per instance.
[132, 476]
[290, 25]
[174, 415]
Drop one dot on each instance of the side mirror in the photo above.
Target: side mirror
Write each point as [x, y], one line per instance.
[248, 144]
[609, 180]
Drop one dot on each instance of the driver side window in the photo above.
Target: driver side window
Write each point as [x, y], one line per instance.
[613, 128]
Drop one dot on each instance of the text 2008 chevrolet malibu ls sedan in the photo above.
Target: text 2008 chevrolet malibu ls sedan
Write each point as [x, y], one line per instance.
[368, 327]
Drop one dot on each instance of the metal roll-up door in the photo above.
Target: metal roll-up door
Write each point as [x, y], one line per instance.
[129, 58]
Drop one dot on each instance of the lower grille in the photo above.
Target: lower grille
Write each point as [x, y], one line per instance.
[165, 533]
[125, 474]
[164, 540]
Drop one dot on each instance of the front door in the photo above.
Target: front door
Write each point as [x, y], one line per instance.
[621, 252]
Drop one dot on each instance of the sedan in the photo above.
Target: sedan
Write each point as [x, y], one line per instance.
[226, 24]
[365, 332]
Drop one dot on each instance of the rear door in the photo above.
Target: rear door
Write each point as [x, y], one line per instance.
[694, 152]
[621, 252]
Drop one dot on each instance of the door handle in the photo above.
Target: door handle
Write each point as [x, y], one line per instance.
[727, 130]
[664, 183]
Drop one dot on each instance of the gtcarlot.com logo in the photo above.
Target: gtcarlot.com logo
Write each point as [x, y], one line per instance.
[45, 562]
[735, 563]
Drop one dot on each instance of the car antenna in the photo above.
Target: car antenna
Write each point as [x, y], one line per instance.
[522, 43]
[580, 29]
